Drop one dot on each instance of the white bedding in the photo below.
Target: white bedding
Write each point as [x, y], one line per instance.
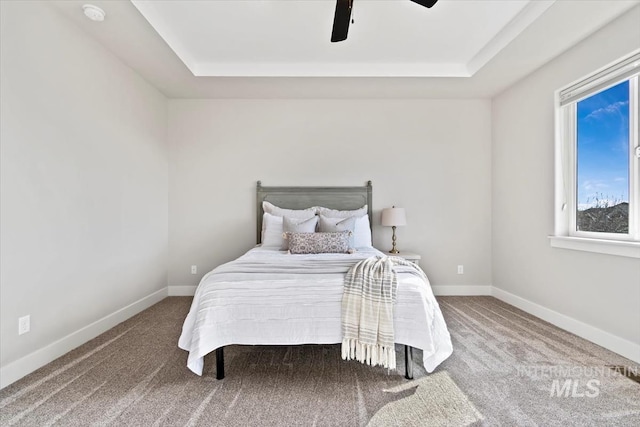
[268, 296]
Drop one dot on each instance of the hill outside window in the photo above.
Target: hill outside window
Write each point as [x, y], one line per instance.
[597, 206]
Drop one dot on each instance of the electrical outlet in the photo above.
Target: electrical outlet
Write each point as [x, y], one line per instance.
[24, 324]
[194, 269]
[461, 269]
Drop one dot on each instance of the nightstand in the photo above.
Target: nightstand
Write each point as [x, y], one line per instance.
[409, 256]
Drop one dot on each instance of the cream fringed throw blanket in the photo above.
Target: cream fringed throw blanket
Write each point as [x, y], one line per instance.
[367, 311]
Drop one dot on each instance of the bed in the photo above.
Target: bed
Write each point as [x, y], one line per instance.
[271, 297]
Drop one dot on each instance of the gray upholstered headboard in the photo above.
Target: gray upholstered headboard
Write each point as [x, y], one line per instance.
[341, 198]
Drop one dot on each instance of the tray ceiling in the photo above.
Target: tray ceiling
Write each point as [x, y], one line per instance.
[256, 38]
[282, 49]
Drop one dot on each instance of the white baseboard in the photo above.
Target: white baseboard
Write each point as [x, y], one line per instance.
[464, 290]
[29, 363]
[181, 291]
[605, 339]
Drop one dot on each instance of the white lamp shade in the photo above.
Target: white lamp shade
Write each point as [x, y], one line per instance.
[394, 217]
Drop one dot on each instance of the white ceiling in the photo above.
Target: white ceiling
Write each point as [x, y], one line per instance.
[292, 37]
[395, 49]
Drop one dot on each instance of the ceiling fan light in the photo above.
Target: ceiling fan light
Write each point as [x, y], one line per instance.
[93, 12]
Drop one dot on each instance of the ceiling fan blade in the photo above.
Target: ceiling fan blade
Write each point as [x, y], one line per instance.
[341, 20]
[425, 3]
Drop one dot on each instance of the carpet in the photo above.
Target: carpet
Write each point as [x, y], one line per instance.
[519, 370]
[502, 372]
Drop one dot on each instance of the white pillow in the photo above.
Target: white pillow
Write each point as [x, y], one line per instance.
[332, 213]
[362, 233]
[272, 230]
[272, 209]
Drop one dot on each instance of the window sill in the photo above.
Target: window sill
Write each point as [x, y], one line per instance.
[609, 247]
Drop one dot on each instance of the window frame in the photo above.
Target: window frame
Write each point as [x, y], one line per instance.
[566, 234]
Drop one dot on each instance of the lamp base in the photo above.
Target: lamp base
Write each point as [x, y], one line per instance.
[393, 240]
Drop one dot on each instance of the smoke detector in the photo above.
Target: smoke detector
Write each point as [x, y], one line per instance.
[93, 12]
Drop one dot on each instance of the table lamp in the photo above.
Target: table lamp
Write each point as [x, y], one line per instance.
[394, 217]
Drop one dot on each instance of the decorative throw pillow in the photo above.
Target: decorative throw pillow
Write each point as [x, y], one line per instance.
[331, 225]
[272, 209]
[319, 243]
[297, 225]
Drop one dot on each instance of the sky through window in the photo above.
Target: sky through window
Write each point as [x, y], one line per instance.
[603, 148]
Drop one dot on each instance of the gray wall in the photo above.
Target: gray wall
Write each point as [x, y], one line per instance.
[83, 180]
[431, 157]
[600, 290]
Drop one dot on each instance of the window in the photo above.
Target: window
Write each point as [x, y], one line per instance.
[597, 161]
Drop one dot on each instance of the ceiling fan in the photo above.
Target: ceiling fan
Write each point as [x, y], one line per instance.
[343, 16]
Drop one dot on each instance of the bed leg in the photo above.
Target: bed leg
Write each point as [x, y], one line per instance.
[220, 363]
[408, 362]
